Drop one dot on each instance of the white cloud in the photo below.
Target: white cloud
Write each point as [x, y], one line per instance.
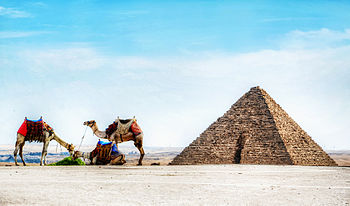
[311, 84]
[262, 63]
[299, 51]
[289, 19]
[133, 13]
[323, 38]
[15, 34]
[13, 13]
[61, 59]
[38, 4]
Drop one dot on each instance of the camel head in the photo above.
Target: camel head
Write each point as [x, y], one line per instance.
[76, 155]
[70, 149]
[90, 123]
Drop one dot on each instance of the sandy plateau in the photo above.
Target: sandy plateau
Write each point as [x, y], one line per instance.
[172, 185]
[175, 185]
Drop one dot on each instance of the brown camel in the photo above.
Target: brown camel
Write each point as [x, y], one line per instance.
[102, 155]
[120, 160]
[47, 135]
[121, 131]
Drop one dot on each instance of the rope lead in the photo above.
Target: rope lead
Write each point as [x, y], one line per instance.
[82, 138]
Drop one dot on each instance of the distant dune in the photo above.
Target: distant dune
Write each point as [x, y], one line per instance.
[342, 157]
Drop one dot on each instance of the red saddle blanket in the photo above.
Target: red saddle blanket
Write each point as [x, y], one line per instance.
[23, 129]
[34, 130]
[135, 128]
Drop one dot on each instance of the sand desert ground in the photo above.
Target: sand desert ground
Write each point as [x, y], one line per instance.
[175, 185]
[172, 185]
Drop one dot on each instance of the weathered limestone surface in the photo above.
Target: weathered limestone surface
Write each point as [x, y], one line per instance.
[255, 130]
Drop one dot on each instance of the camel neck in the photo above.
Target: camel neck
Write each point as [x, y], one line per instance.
[61, 142]
[95, 129]
[97, 132]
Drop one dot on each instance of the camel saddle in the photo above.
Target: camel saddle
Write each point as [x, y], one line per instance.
[123, 126]
[33, 130]
[103, 152]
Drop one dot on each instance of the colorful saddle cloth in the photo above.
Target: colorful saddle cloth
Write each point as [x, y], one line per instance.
[123, 126]
[33, 130]
[111, 128]
[135, 128]
[104, 152]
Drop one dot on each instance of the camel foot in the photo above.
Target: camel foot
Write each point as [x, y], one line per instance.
[139, 164]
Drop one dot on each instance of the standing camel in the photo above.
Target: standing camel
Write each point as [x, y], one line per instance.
[46, 135]
[121, 131]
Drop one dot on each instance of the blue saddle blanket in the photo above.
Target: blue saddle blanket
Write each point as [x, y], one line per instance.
[115, 150]
[39, 120]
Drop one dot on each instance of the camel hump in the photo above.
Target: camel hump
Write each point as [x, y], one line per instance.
[124, 125]
[121, 126]
[34, 130]
[125, 121]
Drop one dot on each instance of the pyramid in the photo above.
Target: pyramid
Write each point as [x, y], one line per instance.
[255, 130]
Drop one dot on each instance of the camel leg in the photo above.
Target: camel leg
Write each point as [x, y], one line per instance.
[44, 152]
[19, 141]
[15, 152]
[94, 160]
[21, 153]
[142, 153]
[120, 160]
[138, 144]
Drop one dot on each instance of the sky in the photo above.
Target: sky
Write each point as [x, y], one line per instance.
[175, 65]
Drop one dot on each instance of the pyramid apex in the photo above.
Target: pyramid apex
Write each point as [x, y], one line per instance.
[256, 87]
